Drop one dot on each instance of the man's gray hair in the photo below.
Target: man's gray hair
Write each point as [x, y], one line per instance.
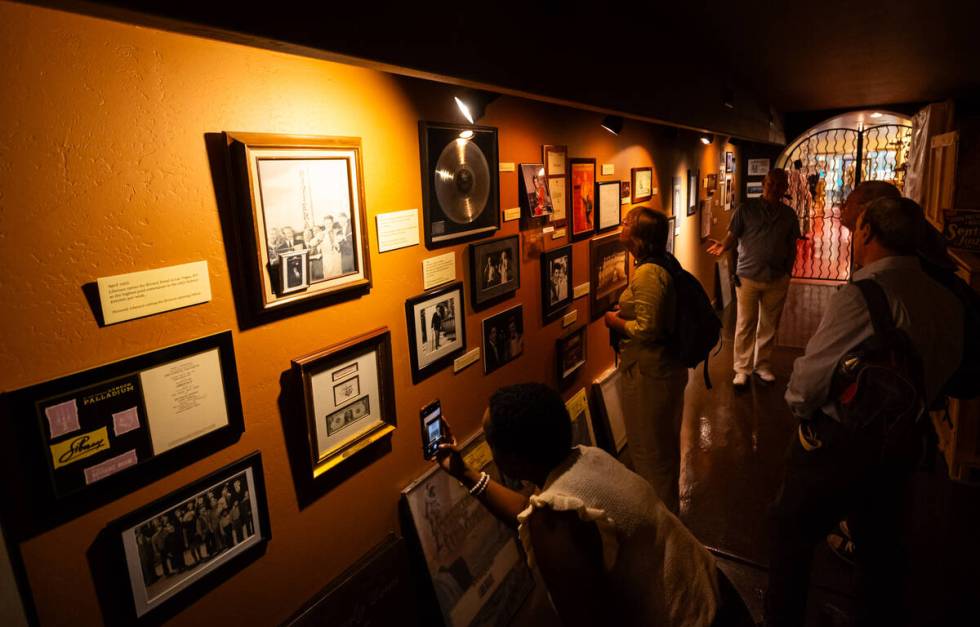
[895, 222]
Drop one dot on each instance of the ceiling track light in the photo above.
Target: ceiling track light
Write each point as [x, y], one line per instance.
[473, 104]
[613, 124]
[707, 138]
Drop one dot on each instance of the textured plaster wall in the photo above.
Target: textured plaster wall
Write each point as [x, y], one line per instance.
[103, 170]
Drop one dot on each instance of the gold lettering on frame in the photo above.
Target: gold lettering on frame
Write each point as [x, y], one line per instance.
[79, 447]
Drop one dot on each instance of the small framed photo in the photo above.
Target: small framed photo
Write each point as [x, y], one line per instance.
[556, 281]
[556, 169]
[194, 537]
[303, 217]
[570, 350]
[583, 433]
[582, 197]
[692, 191]
[534, 195]
[610, 213]
[609, 272]
[349, 397]
[436, 329]
[625, 191]
[503, 338]
[495, 270]
[671, 233]
[729, 162]
[758, 167]
[705, 219]
[642, 184]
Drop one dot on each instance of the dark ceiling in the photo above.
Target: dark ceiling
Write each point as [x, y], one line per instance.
[665, 61]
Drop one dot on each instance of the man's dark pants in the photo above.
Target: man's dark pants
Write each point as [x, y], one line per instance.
[847, 477]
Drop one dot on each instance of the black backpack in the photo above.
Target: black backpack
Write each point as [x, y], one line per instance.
[965, 381]
[696, 325]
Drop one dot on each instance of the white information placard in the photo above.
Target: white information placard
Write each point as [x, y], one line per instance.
[138, 294]
[438, 270]
[398, 229]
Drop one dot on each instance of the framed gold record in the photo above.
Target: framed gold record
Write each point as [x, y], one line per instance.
[460, 186]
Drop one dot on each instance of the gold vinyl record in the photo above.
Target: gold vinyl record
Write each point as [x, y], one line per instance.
[462, 181]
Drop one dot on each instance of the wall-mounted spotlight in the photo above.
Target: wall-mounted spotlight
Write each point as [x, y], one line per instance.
[613, 124]
[706, 138]
[473, 104]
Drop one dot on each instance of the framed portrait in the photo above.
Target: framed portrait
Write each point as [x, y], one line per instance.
[609, 272]
[692, 191]
[109, 426]
[610, 212]
[534, 196]
[758, 167]
[675, 203]
[495, 270]
[229, 519]
[436, 329]
[570, 353]
[729, 162]
[556, 281]
[583, 433]
[642, 184]
[302, 209]
[503, 338]
[607, 397]
[671, 233]
[705, 219]
[582, 197]
[348, 396]
[460, 182]
[556, 169]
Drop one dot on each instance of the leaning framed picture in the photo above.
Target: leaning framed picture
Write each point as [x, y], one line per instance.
[556, 281]
[503, 338]
[436, 329]
[460, 184]
[642, 184]
[607, 397]
[348, 396]
[534, 197]
[495, 270]
[302, 215]
[108, 427]
[216, 524]
[556, 170]
[692, 191]
[583, 433]
[581, 196]
[608, 272]
[570, 353]
[609, 214]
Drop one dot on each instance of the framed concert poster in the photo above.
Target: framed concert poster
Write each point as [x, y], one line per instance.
[495, 270]
[436, 329]
[642, 184]
[610, 212]
[556, 169]
[302, 218]
[349, 397]
[556, 281]
[609, 272]
[582, 197]
[460, 185]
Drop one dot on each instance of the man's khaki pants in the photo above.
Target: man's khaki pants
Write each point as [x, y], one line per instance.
[759, 307]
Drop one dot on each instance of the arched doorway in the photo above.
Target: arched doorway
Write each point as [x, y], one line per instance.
[825, 164]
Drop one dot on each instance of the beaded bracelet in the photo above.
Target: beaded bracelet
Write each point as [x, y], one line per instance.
[481, 484]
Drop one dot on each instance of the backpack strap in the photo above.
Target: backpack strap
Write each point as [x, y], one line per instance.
[878, 307]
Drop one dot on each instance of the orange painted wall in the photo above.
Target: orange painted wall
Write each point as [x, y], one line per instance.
[103, 170]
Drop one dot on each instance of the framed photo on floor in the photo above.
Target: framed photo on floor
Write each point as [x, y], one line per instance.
[570, 354]
[436, 329]
[556, 169]
[607, 396]
[609, 272]
[302, 219]
[495, 270]
[232, 503]
[503, 338]
[349, 397]
[534, 196]
[582, 196]
[642, 184]
[692, 191]
[556, 281]
[610, 213]
[578, 411]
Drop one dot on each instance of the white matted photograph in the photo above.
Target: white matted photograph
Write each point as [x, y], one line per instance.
[436, 328]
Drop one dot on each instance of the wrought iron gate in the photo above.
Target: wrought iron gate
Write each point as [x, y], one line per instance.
[824, 167]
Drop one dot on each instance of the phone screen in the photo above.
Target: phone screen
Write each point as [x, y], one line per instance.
[432, 428]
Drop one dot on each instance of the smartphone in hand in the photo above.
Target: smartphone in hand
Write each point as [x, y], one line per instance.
[433, 429]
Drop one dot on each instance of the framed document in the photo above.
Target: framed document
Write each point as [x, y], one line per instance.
[642, 179]
[101, 425]
[556, 169]
[610, 209]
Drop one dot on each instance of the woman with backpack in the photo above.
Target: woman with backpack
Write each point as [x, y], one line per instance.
[653, 376]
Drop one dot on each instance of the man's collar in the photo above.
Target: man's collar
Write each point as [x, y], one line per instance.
[894, 262]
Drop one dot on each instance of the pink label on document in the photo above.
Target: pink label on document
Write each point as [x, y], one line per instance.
[125, 421]
[62, 418]
[110, 467]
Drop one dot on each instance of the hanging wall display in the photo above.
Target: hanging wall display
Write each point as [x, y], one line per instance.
[556, 169]
[642, 184]
[692, 191]
[436, 329]
[460, 185]
[570, 353]
[729, 162]
[582, 197]
[495, 270]
[348, 397]
[116, 421]
[583, 433]
[302, 217]
[609, 214]
[671, 234]
[503, 338]
[159, 575]
[675, 205]
[556, 282]
[609, 272]
[535, 200]
[758, 167]
[705, 219]
[729, 193]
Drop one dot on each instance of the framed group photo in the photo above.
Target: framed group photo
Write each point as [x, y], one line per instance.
[570, 353]
[436, 329]
[556, 281]
[503, 338]
[194, 537]
[609, 214]
[495, 270]
[582, 197]
[556, 170]
[348, 397]
[642, 184]
[608, 272]
[302, 216]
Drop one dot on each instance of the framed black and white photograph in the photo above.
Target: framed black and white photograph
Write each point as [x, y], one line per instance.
[302, 216]
[348, 397]
[729, 162]
[460, 184]
[608, 272]
[729, 193]
[534, 195]
[503, 338]
[570, 353]
[692, 191]
[556, 281]
[495, 270]
[671, 233]
[705, 219]
[610, 210]
[758, 167]
[436, 329]
[642, 184]
[194, 537]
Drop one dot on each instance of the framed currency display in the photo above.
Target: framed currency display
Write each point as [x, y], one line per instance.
[349, 396]
[113, 423]
[460, 186]
[608, 272]
[302, 219]
[436, 329]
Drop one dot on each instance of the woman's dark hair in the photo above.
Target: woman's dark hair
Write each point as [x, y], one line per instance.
[649, 230]
[529, 421]
[896, 223]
